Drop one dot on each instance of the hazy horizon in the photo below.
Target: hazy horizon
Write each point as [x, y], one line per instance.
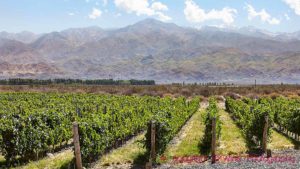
[130, 24]
[57, 15]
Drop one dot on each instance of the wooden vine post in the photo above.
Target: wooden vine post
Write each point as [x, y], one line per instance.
[265, 134]
[213, 141]
[152, 151]
[77, 146]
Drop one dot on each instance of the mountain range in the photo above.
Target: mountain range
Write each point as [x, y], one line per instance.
[150, 49]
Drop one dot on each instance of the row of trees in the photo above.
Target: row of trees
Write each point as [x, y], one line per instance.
[205, 84]
[19, 81]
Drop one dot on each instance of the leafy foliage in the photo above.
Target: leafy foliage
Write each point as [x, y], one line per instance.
[212, 111]
[34, 123]
[171, 115]
[250, 116]
[116, 120]
[31, 124]
[287, 113]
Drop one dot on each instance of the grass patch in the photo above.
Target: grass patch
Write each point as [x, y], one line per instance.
[189, 144]
[2, 160]
[131, 152]
[58, 161]
[279, 141]
[232, 141]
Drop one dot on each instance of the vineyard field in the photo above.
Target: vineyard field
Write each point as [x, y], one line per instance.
[116, 128]
[250, 116]
[33, 124]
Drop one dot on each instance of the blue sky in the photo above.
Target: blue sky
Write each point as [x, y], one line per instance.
[54, 15]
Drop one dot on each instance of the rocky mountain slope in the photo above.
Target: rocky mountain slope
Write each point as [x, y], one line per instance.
[151, 49]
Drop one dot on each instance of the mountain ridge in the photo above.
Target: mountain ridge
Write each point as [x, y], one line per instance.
[151, 49]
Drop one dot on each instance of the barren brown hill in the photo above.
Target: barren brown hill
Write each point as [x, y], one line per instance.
[151, 49]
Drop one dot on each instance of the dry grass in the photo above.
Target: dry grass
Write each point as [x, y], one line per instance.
[58, 161]
[279, 141]
[189, 144]
[161, 90]
[232, 141]
[128, 153]
[2, 160]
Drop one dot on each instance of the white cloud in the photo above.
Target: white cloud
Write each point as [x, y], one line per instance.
[274, 21]
[71, 14]
[294, 4]
[193, 13]
[163, 17]
[143, 7]
[159, 6]
[287, 17]
[140, 7]
[95, 13]
[263, 15]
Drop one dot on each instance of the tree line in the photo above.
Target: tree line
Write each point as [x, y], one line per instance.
[19, 81]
